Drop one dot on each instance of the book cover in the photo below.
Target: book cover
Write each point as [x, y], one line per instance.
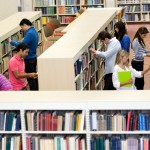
[124, 76]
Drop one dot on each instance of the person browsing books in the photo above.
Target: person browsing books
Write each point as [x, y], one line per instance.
[16, 68]
[139, 52]
[31, 39]
[113, 46]
[123, 74]
[121, 35]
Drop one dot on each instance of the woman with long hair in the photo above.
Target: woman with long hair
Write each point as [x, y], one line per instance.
[121, 35]
[139, 52]
[121, 65]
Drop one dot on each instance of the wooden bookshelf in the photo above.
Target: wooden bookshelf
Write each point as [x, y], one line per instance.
[10, 29]
[72, 103]
[62, 57]
[64, 10]
[137, 11]
[72, 24]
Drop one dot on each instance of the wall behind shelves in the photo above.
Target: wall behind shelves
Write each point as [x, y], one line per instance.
[8, 8]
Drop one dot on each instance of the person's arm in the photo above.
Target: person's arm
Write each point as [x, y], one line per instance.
[139, 74]
[111, 50]
[26, 40]
[146, 70]
[24, 75]
[13, 67]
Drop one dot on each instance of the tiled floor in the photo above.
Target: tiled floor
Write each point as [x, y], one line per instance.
[131, 32]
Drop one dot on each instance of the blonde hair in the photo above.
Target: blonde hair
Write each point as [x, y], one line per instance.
[119, 56]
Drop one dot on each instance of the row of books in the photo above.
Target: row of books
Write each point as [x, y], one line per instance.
[73, 142]
[5, 48]
[46, 10]
[137, 17]
[66, 19]
[145, 7]
[133, 8]
[67, 9]
[128, 1]
[10, 121]
[39, 3]
[44, 2]
[91, 2]
[37, 24]
[133, 17]
[46, 19]
[118, 143]
[10, 142]
[119, 122]
[55, 121]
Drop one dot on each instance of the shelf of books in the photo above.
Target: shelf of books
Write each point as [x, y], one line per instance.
[10, 29]
[136, 10]
[64, 10]
[71, 65]
[89, 120]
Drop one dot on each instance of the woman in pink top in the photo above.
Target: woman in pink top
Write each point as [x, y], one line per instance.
[5, 85]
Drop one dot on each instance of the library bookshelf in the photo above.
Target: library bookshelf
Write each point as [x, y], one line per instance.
[137, 11]
[92, 105]
[10, 29]
[64, 10]
[70, 65]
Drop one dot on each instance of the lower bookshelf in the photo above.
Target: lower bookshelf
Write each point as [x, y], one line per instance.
[75, 120]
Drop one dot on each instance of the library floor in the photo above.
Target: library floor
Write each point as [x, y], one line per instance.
[131, 32]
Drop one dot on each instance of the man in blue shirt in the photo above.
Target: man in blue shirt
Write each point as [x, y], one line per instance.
[31, 39]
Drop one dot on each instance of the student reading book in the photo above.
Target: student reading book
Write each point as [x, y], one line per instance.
[125, 81]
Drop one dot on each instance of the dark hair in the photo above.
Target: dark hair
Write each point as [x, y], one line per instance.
[25, 21]
[122, 30]
[104, 34]
[141, 30]
[22, 46]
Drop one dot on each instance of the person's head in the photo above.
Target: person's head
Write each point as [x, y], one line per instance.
[122, 57]
[104, 37]
[22, 50]
[25, 24]
[141, 34]
[120, 30]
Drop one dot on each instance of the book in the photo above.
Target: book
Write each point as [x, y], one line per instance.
[124, 76]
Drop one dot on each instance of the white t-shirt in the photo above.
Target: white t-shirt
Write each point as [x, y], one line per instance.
[134, 74]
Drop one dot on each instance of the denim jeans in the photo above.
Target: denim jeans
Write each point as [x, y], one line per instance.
[30, 67]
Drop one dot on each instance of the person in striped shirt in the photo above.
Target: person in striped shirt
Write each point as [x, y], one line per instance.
[139, 52]
[5, 85]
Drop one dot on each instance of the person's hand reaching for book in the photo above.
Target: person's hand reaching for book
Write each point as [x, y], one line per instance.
[92, 50]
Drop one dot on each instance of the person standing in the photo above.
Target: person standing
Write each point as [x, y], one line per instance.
[113, 46]
[121, 35]
[31, 39]
[139, 52]
[122, 65]
[16, 68]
